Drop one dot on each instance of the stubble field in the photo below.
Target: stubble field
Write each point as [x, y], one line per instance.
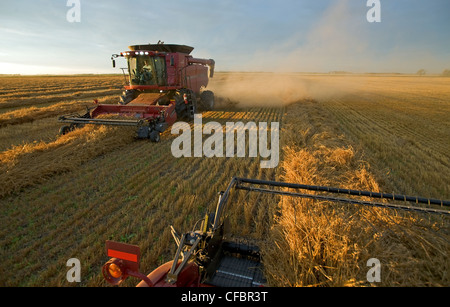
[62, 197]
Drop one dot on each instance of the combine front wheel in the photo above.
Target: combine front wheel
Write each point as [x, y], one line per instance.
[154, 136]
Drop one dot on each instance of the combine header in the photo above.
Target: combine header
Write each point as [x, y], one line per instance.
[207, 257]
[164, 83]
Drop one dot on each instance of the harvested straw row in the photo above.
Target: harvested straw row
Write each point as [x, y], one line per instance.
[325, 244]
[53, 98]
[29, 164]
[26, 115]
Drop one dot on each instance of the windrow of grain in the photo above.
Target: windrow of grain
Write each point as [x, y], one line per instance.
[124, 189]
[62, 197]
[317, 243]
[29, 164]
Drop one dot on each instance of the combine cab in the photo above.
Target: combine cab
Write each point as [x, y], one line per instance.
[207, 257]
[164, 83]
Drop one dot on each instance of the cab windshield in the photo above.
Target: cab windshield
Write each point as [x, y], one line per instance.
[147, 70]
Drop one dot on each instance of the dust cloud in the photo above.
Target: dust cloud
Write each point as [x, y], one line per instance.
[325, 47]
[279, 89]
[257, 89]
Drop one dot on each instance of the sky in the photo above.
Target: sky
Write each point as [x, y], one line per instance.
[36, 36]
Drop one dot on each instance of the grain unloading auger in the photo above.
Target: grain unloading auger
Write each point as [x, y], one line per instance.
[164, 83]
[206, 257]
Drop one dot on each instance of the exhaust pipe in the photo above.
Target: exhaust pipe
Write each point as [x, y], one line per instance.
[212, 66]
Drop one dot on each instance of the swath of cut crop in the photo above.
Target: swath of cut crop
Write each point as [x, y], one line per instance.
[132, 194]
[29, 164]
[33, 132]
[57, 98]
[317, 243]
[26, 115]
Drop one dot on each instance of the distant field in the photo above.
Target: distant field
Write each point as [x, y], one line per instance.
[62, 197]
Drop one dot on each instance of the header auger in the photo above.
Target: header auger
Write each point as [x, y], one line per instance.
[206, 257]
[164, 83]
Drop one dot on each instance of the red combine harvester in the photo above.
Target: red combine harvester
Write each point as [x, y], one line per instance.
[164, 83]
[210, 257]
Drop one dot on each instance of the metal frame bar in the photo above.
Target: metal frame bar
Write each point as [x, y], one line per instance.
[237, 182]
[390, 196]
[99, 121]
[175, 270]
[349, 201]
